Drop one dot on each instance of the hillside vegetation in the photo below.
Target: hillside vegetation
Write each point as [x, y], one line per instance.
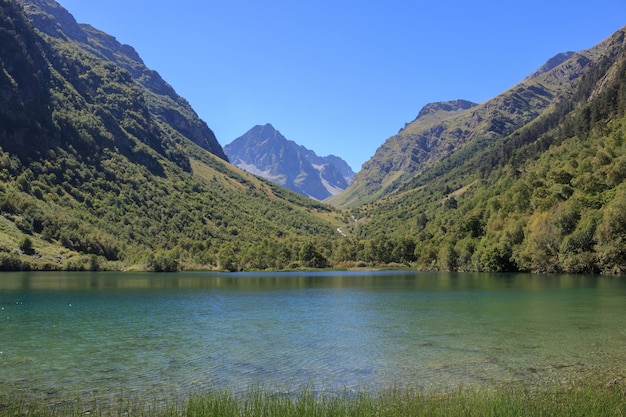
[92, 176]
[548, 197]
[104, 166]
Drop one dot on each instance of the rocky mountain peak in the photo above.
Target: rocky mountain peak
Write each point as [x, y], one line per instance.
[265, 152]
[553, 62]
[52, 19]
[265, 132]
[445, 106]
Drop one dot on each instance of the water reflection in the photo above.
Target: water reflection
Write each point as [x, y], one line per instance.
[298, 280]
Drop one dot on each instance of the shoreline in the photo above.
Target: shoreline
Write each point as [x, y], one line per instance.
[600, 396]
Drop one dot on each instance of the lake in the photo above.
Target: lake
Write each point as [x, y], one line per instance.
[166, 335]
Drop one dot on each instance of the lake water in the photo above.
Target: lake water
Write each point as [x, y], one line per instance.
[159, 336]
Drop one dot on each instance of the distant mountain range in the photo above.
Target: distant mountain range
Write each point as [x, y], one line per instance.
[263, 151]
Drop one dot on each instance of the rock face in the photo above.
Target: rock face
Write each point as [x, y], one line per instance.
[553, 62]
[263, 151]
[446, 107]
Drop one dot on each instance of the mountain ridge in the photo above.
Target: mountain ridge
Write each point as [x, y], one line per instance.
[426, 140]
[547, 197]
[264, 151]
[55, 21]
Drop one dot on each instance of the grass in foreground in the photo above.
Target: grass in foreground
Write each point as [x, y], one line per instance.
[587, 400]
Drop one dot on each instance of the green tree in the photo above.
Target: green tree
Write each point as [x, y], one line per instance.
[311, 257]
[404, 251]
[540, 250]
[163, 261]
[611, 236]
[227, 258]
[447, 259]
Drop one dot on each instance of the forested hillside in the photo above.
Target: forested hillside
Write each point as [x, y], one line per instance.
[549, 197]
[92, 175]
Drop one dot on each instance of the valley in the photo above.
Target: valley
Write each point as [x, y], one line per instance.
[104, 166]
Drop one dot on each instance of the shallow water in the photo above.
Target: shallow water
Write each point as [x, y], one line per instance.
[160, 336]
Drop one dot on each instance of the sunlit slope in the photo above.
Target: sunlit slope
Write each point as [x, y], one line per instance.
[547, 197]
[443, 129]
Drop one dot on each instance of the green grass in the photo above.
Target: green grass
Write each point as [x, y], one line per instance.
[584, 400]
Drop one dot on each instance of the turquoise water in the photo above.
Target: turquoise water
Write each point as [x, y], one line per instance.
[160, 336]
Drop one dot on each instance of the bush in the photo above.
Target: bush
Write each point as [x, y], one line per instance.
[11, 262]
[163, 261]
[26, 245]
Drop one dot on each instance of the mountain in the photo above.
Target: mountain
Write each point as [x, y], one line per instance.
[444, 129]
[102, 165]
[162, 101]
[263, 151]
[535, 180]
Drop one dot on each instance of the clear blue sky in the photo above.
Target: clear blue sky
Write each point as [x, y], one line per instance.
[341, 76]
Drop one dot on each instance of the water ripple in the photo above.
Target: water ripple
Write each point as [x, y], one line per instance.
[361, 332]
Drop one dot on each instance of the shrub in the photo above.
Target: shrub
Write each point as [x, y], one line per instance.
[26, 245]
